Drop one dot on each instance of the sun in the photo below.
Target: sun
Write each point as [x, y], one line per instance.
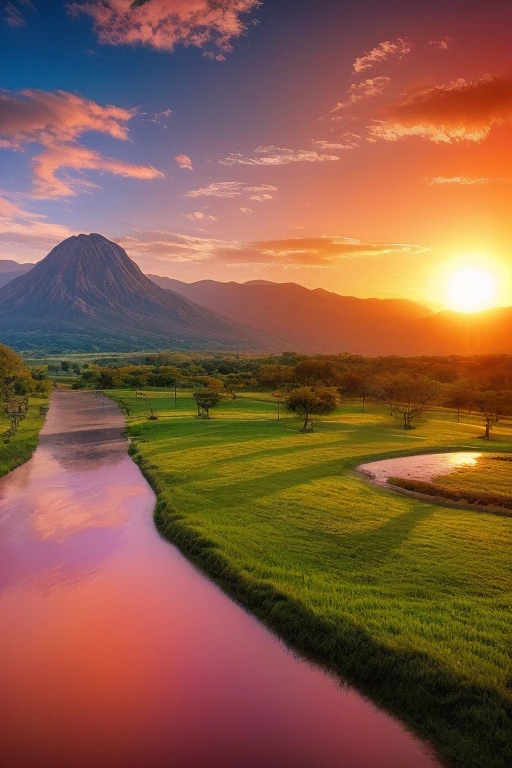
[470, 290]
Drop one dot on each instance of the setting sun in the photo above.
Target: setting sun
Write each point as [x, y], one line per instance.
[470, 290]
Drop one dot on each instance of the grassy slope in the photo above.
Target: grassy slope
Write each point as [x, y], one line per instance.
[407, 600]
[21, 446]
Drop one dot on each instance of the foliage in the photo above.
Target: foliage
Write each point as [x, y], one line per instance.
[312, 401]
[206, 399]
[407, 395]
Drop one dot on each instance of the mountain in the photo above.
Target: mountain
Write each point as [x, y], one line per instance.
[10, 269]
[460, 333]
[317, 320]
[88, 295]
[325, 322]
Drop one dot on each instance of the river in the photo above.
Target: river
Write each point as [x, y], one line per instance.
[115, 652]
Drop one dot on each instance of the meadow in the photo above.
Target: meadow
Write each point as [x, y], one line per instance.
[408, 601]
[17, 449]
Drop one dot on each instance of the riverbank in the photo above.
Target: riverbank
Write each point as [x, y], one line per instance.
[15, 450]
[407, 601]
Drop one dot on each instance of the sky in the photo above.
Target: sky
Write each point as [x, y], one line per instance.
[361, 147]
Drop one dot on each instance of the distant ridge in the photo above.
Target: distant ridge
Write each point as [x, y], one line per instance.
[326, 322]
[88, 294]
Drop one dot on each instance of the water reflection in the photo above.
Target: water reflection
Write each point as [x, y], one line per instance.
[424, 467]
[116, 652]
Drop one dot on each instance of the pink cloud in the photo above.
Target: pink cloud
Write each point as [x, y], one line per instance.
[382, 52]
[184, 162]
[460, 111]
[443, 44]
[56, 120]
[46, 117]
[163, 24]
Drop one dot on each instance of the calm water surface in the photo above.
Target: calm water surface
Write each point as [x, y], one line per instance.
[425, 467]
[116, 653]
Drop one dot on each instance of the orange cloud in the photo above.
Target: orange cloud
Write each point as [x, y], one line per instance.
[48, 163]
[383, 51]
[326, 252]
[163, 24]
[467, 181]
[184, 162]
[368, 88]
[460, 111]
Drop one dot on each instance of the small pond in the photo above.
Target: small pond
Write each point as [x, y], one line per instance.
[425, 467]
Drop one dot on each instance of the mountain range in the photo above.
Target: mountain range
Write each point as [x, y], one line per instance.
[88, 295]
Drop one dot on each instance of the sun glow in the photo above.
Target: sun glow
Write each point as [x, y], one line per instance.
[470, 290]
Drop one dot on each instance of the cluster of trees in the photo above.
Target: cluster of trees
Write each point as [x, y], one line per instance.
[17, 382]
[408, 385]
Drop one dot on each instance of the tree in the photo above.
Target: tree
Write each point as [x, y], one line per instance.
[316, 371]
[206, 399]
[64, 365]
[407, 395]
[312, 401]
[495, 405]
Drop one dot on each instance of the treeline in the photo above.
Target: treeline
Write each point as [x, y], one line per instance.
[408, 385]
[17, 382]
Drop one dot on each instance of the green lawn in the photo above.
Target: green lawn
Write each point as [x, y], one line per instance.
[19, 448]
[489, 475]
[407, 600]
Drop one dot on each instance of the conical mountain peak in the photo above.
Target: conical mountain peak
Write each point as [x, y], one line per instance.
[88, 285]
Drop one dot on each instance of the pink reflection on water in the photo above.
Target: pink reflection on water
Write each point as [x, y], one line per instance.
[116, 652]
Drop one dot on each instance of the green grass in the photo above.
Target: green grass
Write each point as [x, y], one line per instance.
[490, 474]
[409, 601]
[19, 448]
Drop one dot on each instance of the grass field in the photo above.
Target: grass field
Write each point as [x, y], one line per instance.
[489, 475]
[409, 601]
[21, 446]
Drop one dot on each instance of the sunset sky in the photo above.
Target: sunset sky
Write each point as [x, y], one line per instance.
[362, 147]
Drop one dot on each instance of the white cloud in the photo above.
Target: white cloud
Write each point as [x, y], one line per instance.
[382, 52]
[276, 156]
[367, 89]
[231, 189]
[199, 216]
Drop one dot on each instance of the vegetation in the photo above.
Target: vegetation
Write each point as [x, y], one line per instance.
[410, 386]
[457, 494]
[23, 396]
[407, 600]
[312, 401]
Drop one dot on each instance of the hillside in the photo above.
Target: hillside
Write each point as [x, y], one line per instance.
[87, 294]
[318, 319]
